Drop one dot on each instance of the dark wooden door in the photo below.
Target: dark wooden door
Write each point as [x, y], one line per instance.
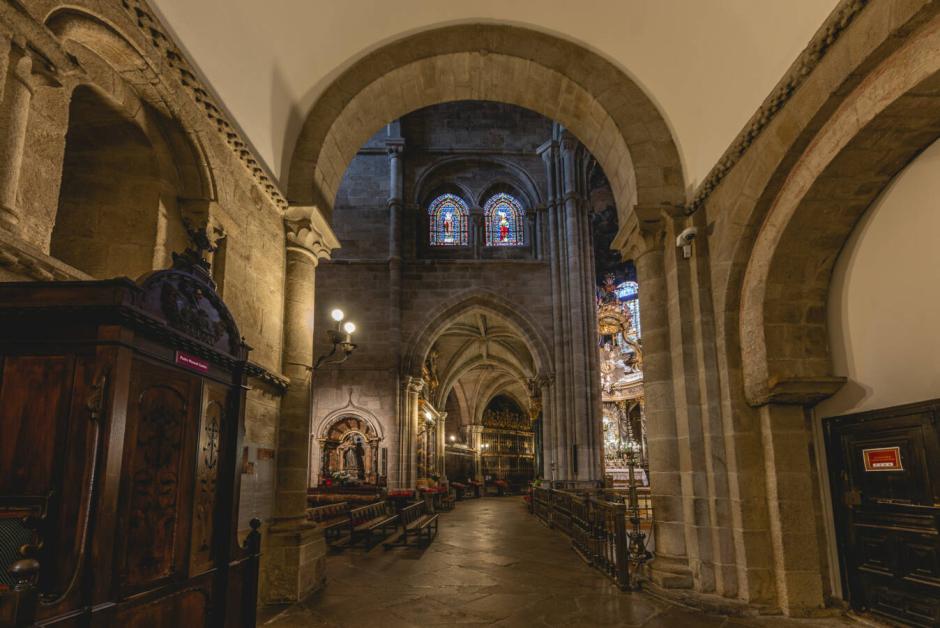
[885, 475]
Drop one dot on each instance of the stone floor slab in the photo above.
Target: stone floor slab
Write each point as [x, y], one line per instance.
[492, 564]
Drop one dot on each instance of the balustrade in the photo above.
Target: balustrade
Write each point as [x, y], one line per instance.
[597, 523]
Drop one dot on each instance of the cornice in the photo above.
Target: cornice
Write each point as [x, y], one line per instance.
[21, 257]
[279, 382]
[837, 22]
[143, 16]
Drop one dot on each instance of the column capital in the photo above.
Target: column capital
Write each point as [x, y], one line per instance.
[395, 146]
[643, 231]
[801, 391]
[568, 142]
[545, 150]
[413, 384]
[307, 232]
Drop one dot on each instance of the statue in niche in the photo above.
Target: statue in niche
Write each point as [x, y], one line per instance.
[429, 371]
[354, 459]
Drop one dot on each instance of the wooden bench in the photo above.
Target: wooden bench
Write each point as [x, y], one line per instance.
[418, 526]
[333, 518]
[365, 521]
[448, 500]
[460, 489]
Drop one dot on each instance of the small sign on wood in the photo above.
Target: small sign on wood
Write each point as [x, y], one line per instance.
[191, 362]
[883, 459]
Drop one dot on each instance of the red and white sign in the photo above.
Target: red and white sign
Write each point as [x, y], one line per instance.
[883, 459]
[192, 362]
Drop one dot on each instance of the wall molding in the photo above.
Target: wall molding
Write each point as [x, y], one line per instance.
[143, 16]
[837, 22]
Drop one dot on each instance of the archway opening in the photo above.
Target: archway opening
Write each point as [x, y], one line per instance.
[106, 223]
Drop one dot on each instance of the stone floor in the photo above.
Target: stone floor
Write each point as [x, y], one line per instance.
[492, 564]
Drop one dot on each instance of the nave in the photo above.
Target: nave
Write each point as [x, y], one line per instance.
[492, 564]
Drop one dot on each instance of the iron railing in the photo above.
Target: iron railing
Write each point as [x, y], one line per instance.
[598, 524]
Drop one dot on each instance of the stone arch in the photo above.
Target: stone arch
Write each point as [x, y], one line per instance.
[469, 300]
[350, 409]
[430, 190]
[880, 127]
[557, 78]
[516, 177]
[500, 389]
[131, 172]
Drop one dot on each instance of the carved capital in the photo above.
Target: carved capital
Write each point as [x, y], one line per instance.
[413, 385]
[308, 232]
[568, 142]
[643, 231]
[395, 146]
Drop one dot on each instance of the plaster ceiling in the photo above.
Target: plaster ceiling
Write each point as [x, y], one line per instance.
[707, 64]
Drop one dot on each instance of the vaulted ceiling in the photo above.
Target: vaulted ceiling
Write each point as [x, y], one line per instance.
[707, 64]
[479, 356]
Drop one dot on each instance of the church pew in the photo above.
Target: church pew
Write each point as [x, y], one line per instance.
[333, 518]
[417, 525]
[366, 521]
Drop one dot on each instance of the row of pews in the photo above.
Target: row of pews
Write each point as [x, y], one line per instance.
[406, 525]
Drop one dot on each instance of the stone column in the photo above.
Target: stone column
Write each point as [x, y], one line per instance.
[14, 116]
[408, 443]
[441, 443]
[475, 441]
[545, 382]
[555, 424]
[796, 532]
[645, 245]
[578, 316]
[295, 559]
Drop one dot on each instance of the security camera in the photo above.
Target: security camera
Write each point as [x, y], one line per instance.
[684, 241]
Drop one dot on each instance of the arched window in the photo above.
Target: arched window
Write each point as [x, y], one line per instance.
[504, 216]
[448, 221]
[628, 293]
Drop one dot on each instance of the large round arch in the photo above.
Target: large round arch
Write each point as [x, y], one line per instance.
[876, 131]
[607, 110]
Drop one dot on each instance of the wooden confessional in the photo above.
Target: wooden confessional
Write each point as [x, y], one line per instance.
[121, 419]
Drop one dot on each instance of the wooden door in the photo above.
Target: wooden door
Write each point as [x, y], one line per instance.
[885, 476]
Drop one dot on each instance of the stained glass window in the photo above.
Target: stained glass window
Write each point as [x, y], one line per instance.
[448, 221]
[628, 293]
[504, 216]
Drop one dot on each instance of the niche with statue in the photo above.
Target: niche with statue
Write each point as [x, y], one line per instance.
[350, 452]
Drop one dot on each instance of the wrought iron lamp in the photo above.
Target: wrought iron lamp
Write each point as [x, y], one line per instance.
[341, 337]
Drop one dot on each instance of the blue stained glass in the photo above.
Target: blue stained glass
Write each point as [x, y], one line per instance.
[504, 218]
[448, 221]
[628, 292]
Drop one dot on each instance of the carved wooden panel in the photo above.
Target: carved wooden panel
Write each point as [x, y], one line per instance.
[32, 423]
[207, 475]
[189, 607]
[160, 415]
